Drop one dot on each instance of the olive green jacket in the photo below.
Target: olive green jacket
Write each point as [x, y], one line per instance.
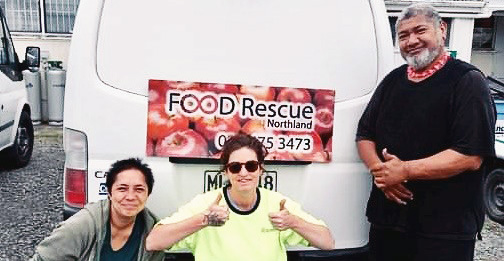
[81, 236]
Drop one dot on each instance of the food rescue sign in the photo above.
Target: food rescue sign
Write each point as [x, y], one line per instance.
[193, 120]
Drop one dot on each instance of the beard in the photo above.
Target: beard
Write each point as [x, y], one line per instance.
[423, 59]
[426, 57]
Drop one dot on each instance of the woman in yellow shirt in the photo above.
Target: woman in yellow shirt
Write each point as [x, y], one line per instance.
[240, 221]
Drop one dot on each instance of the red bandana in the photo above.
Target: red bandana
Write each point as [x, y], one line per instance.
[412, 74]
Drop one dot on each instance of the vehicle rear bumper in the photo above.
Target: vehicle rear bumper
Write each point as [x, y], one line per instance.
[69, 211]
[351, 254]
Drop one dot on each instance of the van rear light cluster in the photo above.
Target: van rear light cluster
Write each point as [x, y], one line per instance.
[75, 187]
[75, 144]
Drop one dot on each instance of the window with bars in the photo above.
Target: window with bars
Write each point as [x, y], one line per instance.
[40, 16]
[483, 34]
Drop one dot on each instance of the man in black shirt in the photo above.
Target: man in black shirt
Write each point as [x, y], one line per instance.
[424, 137]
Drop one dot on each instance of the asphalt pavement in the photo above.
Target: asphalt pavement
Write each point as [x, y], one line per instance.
[31, 203]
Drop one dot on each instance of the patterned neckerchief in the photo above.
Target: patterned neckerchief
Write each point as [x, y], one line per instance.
[412, 74]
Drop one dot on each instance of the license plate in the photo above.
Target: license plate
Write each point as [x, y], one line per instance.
[215, 179]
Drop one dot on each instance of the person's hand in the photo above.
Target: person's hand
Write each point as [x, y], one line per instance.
[391, 172]
[398, 193]
[282, 219]
[216, 215]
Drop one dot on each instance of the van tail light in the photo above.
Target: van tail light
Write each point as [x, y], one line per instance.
[75, 178]
[75, 187]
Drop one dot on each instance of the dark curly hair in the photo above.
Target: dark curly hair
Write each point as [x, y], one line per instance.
[126, 164]
[239, 141]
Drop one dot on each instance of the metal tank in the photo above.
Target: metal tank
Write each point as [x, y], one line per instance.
[33, 84]
[55, 94]
[44, 66]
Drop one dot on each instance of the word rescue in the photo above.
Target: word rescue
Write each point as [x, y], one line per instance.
[277, 115]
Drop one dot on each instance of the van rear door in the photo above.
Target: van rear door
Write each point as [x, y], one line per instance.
[315, 44]
[118, 46]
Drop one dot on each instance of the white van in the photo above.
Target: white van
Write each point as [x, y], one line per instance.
[16, 129]
[493, 185]
[119, 46]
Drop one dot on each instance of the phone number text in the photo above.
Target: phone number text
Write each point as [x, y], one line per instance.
[290, 143]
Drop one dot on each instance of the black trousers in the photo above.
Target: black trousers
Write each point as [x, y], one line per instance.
[390, 245]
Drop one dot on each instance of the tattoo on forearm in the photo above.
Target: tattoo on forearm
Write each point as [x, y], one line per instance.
[212, 219]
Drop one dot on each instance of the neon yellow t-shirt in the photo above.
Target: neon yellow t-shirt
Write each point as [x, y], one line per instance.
[247, 235]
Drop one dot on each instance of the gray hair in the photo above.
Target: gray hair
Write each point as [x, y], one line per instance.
[423, 9]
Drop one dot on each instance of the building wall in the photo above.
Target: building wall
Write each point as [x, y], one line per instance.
[483, 60]
[461, 37]
[56, 48]
[498, 60]
[491, 62]
[463, 14]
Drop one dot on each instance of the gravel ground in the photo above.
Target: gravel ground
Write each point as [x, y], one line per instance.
[491, 248]
[31, 203]
[31, 200]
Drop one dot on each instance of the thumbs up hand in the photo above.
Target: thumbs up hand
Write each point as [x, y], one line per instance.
[282, 204]
[216, 215]
[282, 219]
[391, 172]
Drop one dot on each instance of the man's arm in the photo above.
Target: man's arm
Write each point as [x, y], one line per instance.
[367, 152]
[442, 165]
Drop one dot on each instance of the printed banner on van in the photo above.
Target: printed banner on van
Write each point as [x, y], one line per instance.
[499, 129]
[193, 120]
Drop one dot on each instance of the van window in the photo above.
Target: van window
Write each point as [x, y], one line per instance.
[322, 44]
[3, 47]
[7, 55]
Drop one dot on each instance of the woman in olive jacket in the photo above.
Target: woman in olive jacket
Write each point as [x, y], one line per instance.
[111, 229]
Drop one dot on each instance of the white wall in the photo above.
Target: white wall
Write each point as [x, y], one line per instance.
[498, 61]
[492, 62]
[461, 37]
[484, 60]
[58, 48]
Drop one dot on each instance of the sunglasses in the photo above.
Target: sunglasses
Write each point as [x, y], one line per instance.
[235, 167]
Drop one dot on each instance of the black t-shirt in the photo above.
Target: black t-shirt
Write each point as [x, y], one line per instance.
[452, 109]
[129, 251]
